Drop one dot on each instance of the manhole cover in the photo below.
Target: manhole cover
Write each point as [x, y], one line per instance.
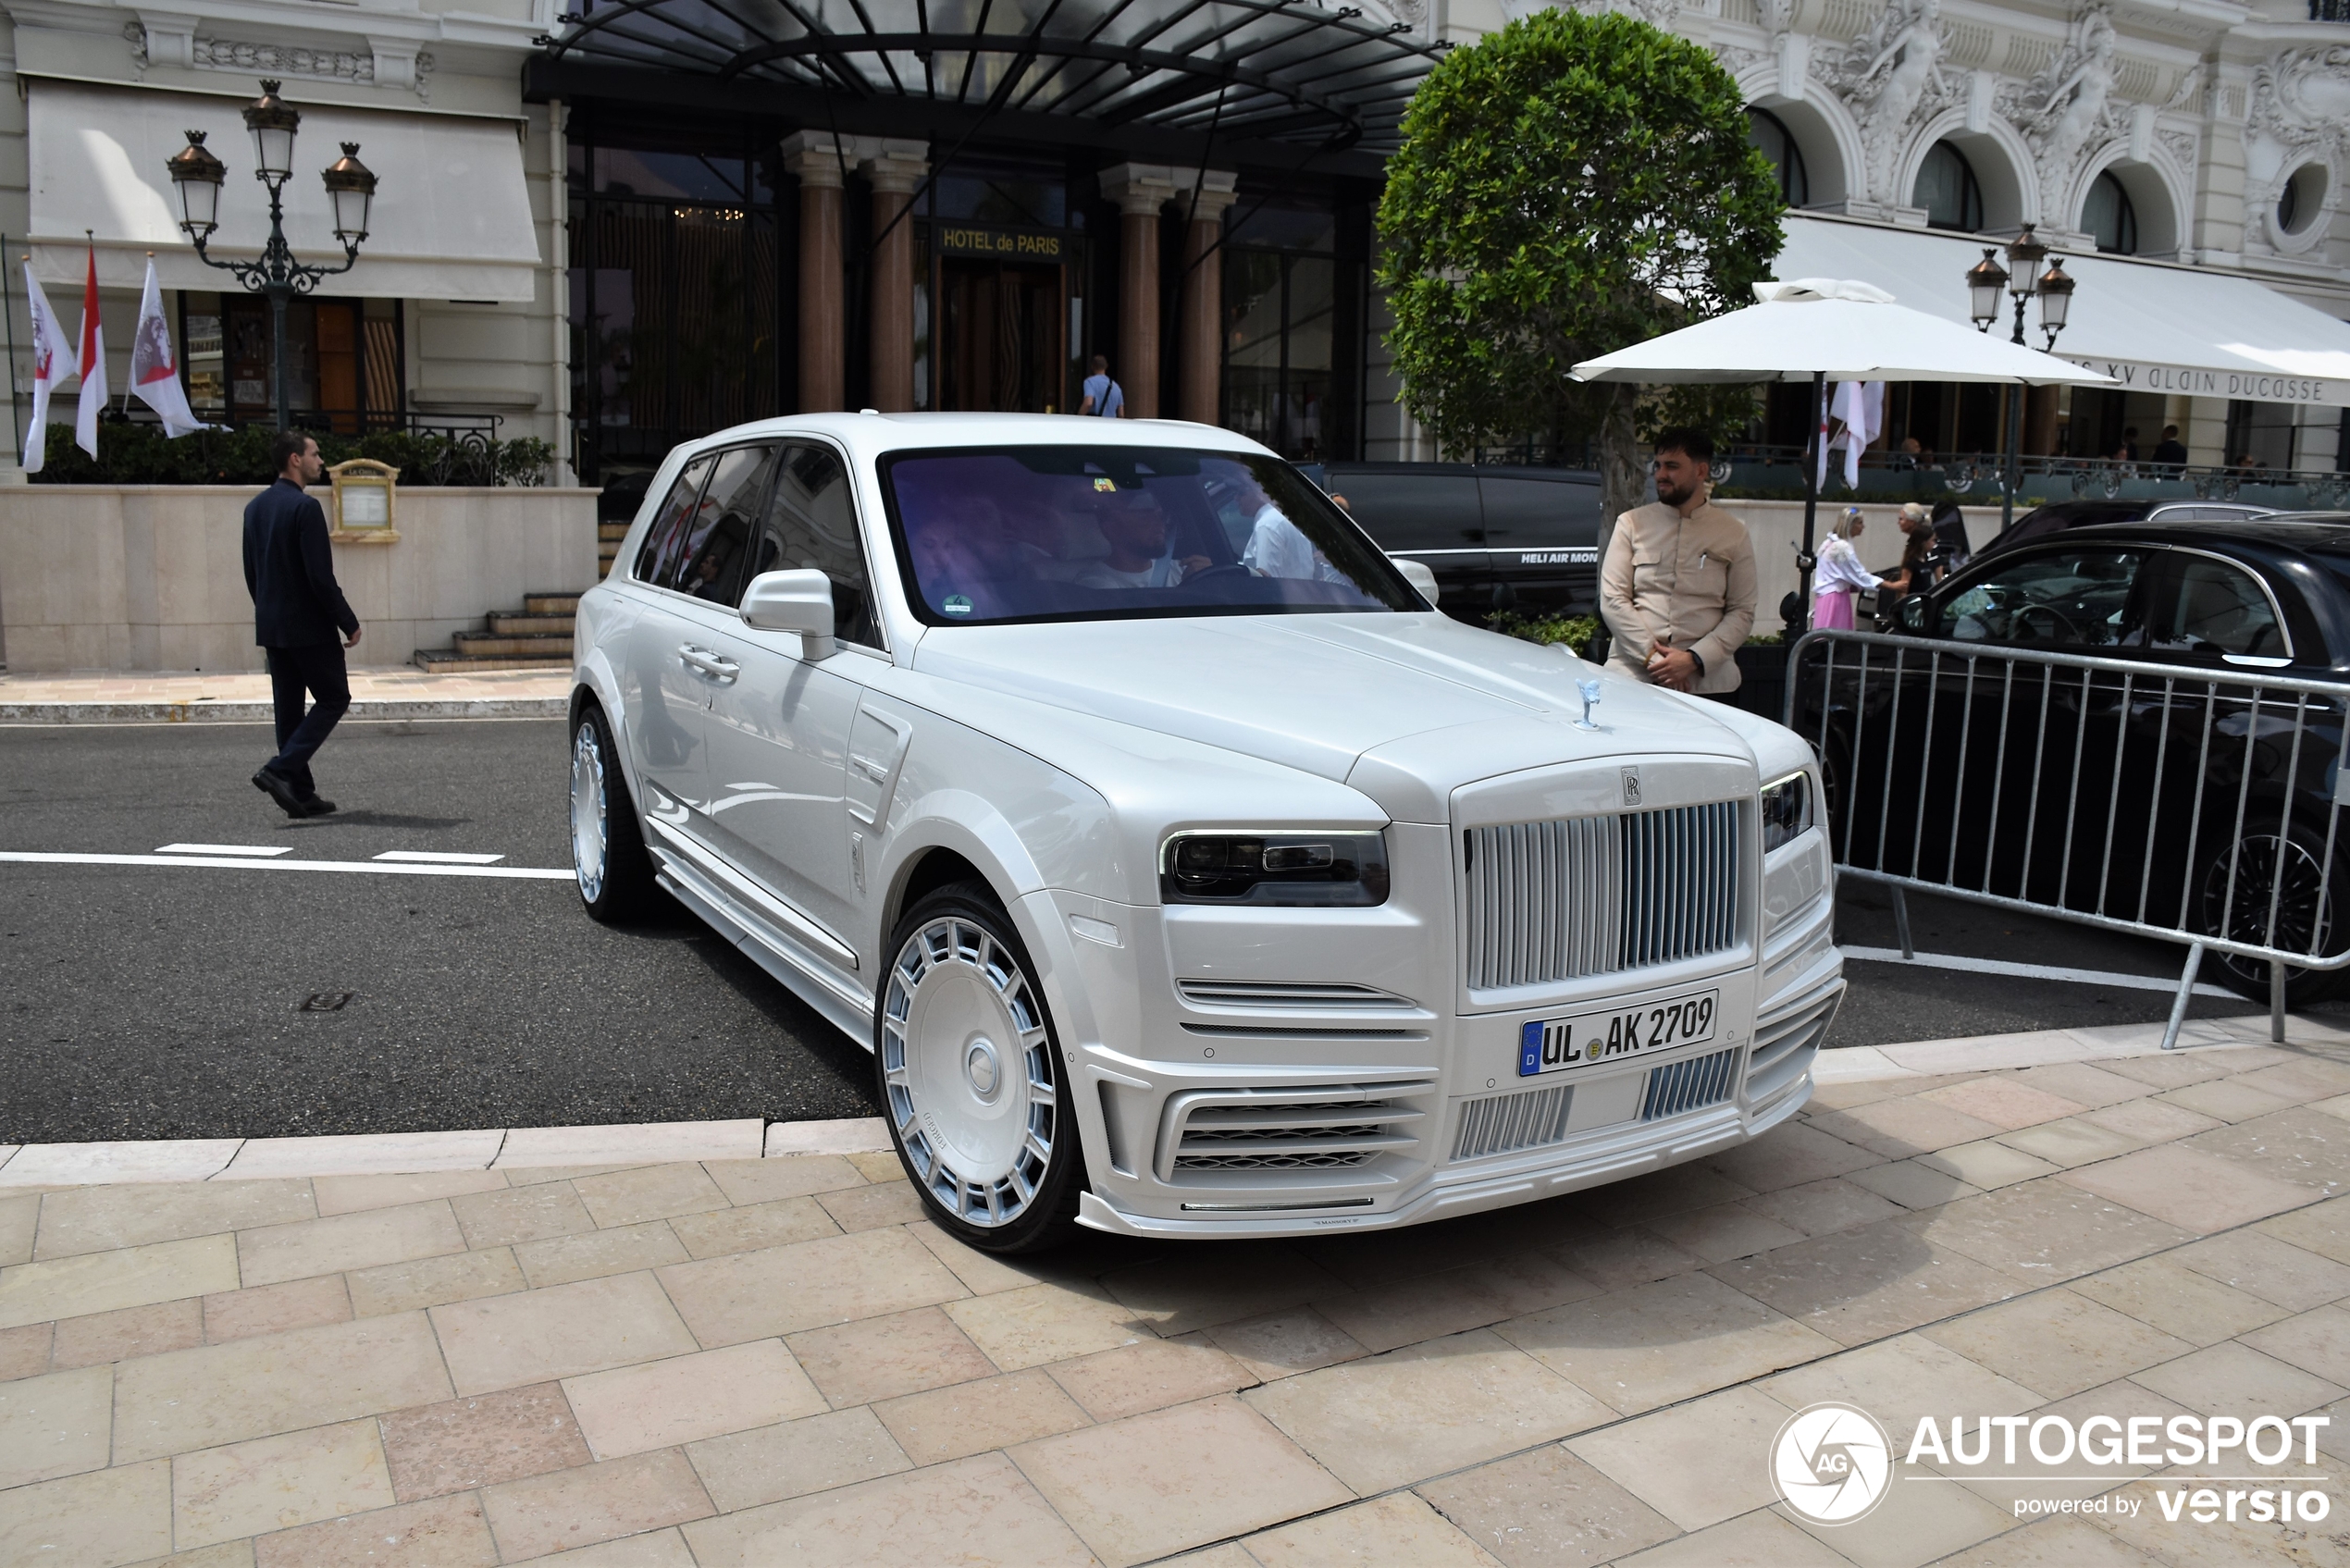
[324, 1001]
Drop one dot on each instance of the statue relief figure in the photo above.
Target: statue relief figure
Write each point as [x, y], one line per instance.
[1887, 77]
[2075, 98]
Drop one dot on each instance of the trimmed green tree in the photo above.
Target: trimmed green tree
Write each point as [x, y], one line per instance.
[1566, 187]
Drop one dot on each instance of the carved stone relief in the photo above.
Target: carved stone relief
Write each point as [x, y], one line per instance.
[2070, 109]
[1892, 78]
[245, 58]
[2300, 114]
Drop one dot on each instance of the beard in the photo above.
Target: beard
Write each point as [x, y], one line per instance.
[1676, 495]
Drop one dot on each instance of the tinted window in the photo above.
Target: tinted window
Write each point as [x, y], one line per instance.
[2059, 599]
[1414, 511]
[718, 544]
[665, 540]
[1098, 533]
[1539, 513]
[812, 523]
[2218, 609]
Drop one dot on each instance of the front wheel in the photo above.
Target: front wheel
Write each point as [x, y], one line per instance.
[608, 856]
[2285, 870]
[972, 1080]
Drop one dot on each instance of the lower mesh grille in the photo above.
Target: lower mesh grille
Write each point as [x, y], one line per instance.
[1686, 1086]
[1327, 1128]
[1503, 1124]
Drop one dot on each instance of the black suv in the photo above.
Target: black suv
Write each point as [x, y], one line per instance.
[1526, 539]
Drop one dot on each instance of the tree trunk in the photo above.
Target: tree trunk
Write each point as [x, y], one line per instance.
[1622, 473]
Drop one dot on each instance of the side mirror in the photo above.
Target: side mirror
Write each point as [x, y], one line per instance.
[793, 601]
[1914, 613]
[1418, 574]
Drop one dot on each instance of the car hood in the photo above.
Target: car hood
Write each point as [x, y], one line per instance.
[1319, 692]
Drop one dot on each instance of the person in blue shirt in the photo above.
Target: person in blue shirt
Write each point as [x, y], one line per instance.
[301, 620]
[1103, 395]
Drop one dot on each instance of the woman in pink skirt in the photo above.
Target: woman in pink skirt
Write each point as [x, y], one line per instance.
[1840, 575]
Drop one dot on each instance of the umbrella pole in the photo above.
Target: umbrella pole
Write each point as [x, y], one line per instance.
[1804, 560]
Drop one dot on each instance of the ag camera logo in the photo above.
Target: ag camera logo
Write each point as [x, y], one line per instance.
[1832, 1462]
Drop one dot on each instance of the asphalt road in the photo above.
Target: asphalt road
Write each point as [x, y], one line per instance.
[165, 1001]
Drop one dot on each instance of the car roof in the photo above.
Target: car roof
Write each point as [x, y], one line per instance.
[868, 434]
[2322, 532]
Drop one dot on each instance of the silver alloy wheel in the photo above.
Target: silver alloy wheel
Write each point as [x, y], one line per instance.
[968, 1072]
[591, 826]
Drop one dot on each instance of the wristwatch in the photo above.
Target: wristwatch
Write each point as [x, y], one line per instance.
[1698, 660]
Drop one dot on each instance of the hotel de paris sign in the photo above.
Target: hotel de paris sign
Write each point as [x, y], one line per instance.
[1042, 247]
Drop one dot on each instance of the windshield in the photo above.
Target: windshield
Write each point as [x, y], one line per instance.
[1104, 532]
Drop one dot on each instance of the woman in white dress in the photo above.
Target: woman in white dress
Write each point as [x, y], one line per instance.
[1840, 575]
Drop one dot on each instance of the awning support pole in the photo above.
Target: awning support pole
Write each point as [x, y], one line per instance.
[2014, 465]
[1804, 560]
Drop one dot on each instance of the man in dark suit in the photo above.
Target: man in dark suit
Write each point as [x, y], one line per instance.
[298, 609]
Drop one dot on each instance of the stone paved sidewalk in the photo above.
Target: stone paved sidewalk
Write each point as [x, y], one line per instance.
[778, 1361]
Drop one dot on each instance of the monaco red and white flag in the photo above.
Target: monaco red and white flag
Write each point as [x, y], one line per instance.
[93, 358]
[52, 362]
[154, 374]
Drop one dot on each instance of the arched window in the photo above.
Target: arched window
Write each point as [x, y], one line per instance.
[1767, 131]
[2108, 216]
[1947, 190]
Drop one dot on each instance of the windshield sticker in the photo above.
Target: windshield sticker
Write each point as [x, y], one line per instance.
[1108, 487]
[956, 604]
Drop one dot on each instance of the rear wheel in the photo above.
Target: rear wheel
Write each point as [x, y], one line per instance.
[971, 1081]
[608, 854]
[2288, 870]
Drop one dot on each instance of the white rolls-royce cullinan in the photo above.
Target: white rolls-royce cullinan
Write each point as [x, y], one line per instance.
[1185, 872]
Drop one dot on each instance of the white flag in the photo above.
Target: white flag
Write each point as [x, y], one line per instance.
[1861, 405]
[154, 374]
[92, 400]
[53, 361]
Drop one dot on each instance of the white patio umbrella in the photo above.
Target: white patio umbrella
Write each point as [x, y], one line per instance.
[1820, 329]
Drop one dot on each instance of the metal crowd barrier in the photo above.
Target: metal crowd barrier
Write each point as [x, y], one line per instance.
[2195, 804]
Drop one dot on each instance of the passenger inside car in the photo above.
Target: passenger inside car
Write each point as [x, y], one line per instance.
[1135, 526]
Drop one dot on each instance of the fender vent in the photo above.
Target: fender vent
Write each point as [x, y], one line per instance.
[1319, 997]
[1333, 1127]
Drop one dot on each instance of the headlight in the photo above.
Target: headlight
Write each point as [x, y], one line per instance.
[1787, 810]
[1274, 868]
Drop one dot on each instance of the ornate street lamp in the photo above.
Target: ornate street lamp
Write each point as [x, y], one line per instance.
[2022, 279]
[197, 174]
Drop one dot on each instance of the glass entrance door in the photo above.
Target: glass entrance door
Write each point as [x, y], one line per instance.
[1001, 330]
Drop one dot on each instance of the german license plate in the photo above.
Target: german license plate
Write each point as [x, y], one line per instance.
[1557, 1044]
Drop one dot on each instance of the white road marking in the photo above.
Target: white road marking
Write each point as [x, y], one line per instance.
[2028, 972]
[440, 857]
[527, 873]
[226, 849]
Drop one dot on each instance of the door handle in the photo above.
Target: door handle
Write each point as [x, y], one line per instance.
[704, 661]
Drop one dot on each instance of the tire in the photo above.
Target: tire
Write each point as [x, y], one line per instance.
[615, 874]
[2299, 912]
[993, 1150]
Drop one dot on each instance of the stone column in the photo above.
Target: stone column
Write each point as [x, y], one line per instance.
[1199, 322]
[822, 340]
[1139, 190]
[895, 169]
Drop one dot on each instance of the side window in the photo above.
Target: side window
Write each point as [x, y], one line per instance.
[1539, 513]
[811, 522]
[657, 562]
[718, 544]
[2218, 609]
[1414, 511]
[2058, 598]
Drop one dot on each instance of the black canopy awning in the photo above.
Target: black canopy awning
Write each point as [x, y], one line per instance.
[1306, 77]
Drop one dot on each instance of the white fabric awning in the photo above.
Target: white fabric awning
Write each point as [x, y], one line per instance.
[2153, 328]
[451, 220]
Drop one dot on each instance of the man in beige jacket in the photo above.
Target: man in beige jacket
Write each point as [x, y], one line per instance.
[1678, 587]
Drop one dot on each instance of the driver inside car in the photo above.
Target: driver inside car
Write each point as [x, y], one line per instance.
[1134, 524]
[964, 556]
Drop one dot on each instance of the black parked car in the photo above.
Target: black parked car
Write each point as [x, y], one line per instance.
[2142, 795]
[2059, 515]
[1526, 539]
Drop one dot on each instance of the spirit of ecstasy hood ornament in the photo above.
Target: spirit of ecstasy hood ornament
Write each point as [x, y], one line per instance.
[1591, 690]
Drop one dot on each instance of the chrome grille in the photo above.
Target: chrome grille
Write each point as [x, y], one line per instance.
[1685, 1086]
[1584, 895]
[1500, 1124]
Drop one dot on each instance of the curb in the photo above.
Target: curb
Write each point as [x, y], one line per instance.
[205, 712]
[380, 1153]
